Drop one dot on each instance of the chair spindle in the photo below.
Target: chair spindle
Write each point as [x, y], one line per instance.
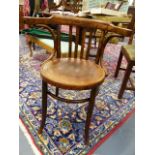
[70, 41]
[83, 43]
[76, 41]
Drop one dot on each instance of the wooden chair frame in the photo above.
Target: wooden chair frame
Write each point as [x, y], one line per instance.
[128, 70]
[82, 25]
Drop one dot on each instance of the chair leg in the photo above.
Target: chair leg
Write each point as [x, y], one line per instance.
[118, 64]
[30, 48]
[44, 106]
[57, 91]
[90, 111]
[125, 79]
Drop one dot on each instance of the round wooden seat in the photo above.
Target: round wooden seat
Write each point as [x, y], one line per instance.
[70, 73]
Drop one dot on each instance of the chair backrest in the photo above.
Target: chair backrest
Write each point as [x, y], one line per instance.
[131, 11]
[78, 27]
[113, 6]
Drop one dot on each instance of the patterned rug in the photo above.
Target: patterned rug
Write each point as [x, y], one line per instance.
[64, 129]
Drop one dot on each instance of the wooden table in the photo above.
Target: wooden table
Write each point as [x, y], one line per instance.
[107, 15]
[107, 12]
[114, 19]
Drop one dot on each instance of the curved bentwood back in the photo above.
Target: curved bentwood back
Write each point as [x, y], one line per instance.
[80, 31]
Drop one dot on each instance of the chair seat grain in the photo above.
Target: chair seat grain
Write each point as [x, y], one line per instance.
[71, 73]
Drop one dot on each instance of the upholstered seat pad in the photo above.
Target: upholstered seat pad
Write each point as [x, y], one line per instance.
[70, 73]
[129, 51]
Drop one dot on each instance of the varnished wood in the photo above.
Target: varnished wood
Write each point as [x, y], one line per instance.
[70, 73]
[128, 52]
[102, 44]
[131, 11]
[70, 41]
[75, 21]
[90, 112]
[83, 43]
[125, 79]
[114, 19]
[58, 44]
[76, 41]
[118, 64]
[89, 44]
[55, 96]
[76, 73]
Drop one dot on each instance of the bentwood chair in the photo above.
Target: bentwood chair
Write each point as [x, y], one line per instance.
[127, 51]
[76, 72]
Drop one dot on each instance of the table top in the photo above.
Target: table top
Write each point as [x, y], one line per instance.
[122, 18]
[107, 15]
[108, 12]
[114, 19]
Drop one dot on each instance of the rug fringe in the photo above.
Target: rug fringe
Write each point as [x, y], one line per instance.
[29, 139]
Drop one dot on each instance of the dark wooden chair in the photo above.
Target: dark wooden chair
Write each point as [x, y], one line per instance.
[113, 6]
[131, 25]
[128, 51]
[74, 72]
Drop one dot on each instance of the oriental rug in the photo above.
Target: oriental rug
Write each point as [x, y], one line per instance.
[64, 129]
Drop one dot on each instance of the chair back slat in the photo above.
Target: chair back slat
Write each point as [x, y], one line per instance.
[76, 42]
[58, 43]
[100, 46]
[89, 43]
[83, 43]
[70, 41]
